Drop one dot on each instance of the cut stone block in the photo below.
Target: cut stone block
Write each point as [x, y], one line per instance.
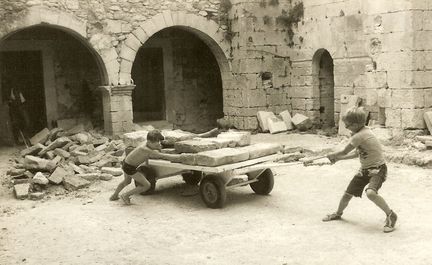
[75, 183]
[82, 138]
[35, 163]
[40, 137]
[76, 168]
[173, 136]
[347, 101]
[58, 175]
[194, 146]
[240, 138]
[36, 196]
[58, 143]
[286, 117]
[83, 160]
[135, 138]
[261, 149]
[21, 190]
[221, 142]
[15, 172]
[221, 157]
[62, 153]
[112, 171]
[188, 159]
[276, 125]
[428, 120]
[301, 122]
[33, 149]
[262, 119]
[89, 176]
[40, 178]
[105, 176]
[423, 138]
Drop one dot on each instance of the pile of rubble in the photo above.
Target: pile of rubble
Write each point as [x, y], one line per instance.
[72, 158]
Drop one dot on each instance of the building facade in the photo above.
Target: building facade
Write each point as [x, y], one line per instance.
[190, 62]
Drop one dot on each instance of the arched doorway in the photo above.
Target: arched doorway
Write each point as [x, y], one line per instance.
[177, 79]
[57, 73]
[324, 79]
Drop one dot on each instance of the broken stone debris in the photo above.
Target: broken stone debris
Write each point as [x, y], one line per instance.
[65, 157]
[276, 125]
[263, 117]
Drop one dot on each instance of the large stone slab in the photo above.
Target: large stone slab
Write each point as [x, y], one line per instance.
[276, 125]
[195, 146]
[40, 137]
[221, 142]
[173, 136]
[301, 122]
[262, 149]
[75, 183]
[32, 150]
[240, 138]
[115, 171]
[262, 119]
[221, 157]
[286, 117]
[58, 175]
[135, 138]
[35, 163]
[58, 143]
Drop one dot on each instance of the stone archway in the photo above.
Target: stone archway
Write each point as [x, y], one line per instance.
[207, 100]
[40, 18]
[207, 30]
[323, 80]
[105, 56]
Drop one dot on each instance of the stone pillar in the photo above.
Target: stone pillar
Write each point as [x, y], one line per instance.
[117, 108]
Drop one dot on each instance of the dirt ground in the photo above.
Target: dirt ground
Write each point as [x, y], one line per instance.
[167, 228]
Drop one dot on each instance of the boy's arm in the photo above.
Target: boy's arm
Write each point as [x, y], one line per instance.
[158, 155]
[346, 153]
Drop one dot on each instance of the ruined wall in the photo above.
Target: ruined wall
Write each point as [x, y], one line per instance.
[380, 52]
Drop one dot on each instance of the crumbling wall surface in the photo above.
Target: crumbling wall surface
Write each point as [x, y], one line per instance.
[380, 52]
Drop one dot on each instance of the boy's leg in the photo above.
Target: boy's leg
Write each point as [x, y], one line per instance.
[145, 185]
[126, 181]
[343, 203]
[378, 200]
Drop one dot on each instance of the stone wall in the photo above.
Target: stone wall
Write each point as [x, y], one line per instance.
[380, 51]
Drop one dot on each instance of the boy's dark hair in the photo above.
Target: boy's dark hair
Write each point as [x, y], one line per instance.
[155, 136]
[355, 115]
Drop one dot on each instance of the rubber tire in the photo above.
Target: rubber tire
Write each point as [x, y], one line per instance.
[212, 191]
[265, 182]
[192, 178]
[151, 178]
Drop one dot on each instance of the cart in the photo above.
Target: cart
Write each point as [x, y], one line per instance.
[214, 181]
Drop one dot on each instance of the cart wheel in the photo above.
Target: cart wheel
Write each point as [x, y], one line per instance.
[150, 176]
[265, 182]
[212, 191]
[192, 178]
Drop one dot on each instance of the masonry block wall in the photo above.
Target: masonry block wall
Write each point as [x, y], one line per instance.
[380, 52]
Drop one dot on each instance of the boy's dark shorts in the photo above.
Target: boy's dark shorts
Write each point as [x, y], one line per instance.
[130, 170]
[374, 176]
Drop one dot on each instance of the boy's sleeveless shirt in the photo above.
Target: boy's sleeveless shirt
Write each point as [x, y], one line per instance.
[368, 147]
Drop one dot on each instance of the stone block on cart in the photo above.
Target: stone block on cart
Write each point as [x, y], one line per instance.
[195, 146]
[262, 149]
[221, 156]
[240, 138]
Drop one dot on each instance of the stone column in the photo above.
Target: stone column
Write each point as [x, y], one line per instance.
[117, 108]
